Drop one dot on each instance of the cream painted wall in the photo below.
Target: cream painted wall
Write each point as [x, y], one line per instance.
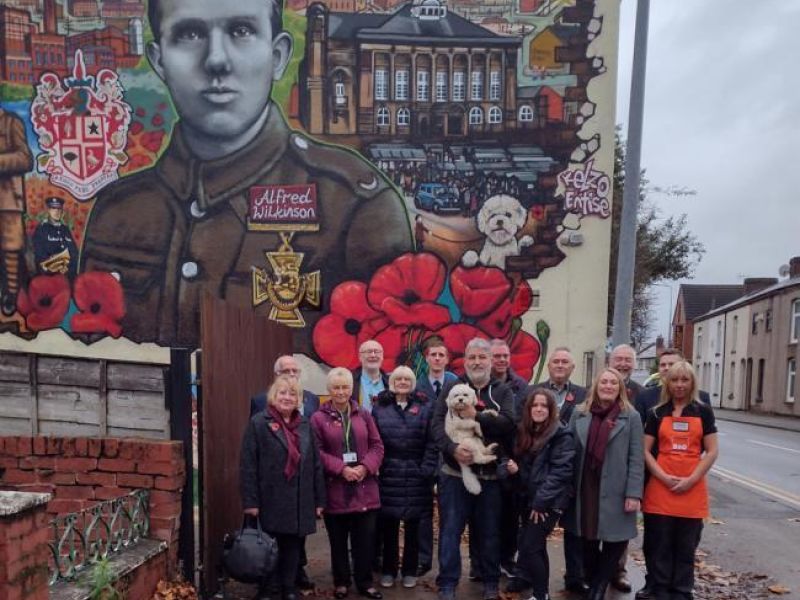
[737, 325]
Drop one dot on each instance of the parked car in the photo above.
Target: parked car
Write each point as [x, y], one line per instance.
[436, 197]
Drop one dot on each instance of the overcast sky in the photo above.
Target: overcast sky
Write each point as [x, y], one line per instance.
[722, 114]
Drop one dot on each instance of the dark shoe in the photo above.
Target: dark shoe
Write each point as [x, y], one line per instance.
[371, 593]
[507, 568]
[577, 587]
[597, 592]
[517, 585]
[621, 584]
[340, 592]
[9, 304]
[474, 574]
[423, 570]
[289, 596]
[646, 593]
[303, 582]
[491, 593]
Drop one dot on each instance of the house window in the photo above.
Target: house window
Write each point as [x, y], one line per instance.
[732, 384]
[795, 326]
[735, 334]
[495, 115]
[588, 368]
[525, 113]
[423, 86]
[381, 85]
[475, 116]
[760, 380]
[719, 338]
[791, 380]
[476, 91]
[494, 85]
[383, 116]
[754, 325]
[699, 342]
[401, 85]
[459, 89]
[768, 320]
[403, 117]
[717, 380]
[441, 86]
[338, 92]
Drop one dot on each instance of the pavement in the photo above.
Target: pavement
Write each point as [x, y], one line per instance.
[763, 420]
[318, 569]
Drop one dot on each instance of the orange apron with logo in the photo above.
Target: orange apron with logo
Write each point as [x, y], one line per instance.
[680, 447]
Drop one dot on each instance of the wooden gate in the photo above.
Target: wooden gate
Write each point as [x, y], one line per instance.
[239, 350]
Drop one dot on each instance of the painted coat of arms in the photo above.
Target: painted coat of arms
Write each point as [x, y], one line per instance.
[82, 126]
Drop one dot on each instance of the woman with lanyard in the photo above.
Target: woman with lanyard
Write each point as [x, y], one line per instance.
[680, 445]
[351, 451]
[281, 481]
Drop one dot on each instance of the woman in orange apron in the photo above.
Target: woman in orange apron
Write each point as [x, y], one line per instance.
[680, 446]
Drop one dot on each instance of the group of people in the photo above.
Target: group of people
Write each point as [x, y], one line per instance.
[376, 454]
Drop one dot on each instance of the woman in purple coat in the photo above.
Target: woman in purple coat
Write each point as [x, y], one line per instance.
[351, 452]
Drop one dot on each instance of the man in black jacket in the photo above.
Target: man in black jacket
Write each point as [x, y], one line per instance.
[560, 366]
[456, 504]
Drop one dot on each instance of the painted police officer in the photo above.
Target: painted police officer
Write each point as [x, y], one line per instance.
[187, 224]
[54, 248]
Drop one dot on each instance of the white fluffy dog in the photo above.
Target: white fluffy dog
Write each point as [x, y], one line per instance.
[467, 432]
[499, 219]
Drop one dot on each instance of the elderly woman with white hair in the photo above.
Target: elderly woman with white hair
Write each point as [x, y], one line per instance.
[403, 417]
[351, 452]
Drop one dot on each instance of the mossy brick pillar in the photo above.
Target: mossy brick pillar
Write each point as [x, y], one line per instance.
[24, 553]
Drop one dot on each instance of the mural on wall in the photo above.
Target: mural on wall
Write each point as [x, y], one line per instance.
[350, 168]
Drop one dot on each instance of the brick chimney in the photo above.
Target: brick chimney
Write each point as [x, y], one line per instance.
[754, 284]
[794, 266]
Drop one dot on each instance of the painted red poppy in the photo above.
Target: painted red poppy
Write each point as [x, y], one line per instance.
[479, 290]
[350, 322]
[498, 323]
[521, 299]
[101, 302]
[455, 337]
[537, 212]
[525, 353]
[407, 288]
[45, 302]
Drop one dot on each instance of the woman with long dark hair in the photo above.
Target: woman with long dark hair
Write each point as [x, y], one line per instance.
[543, 465]
[680, 444]
[609, 475]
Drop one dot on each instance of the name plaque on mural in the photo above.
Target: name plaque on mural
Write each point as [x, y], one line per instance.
[283, 208]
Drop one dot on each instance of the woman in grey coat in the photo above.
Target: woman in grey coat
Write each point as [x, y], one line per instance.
[281, 480]
[609, 473]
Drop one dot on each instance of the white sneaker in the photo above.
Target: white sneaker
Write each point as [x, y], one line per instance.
[387, 581]
[409, 581]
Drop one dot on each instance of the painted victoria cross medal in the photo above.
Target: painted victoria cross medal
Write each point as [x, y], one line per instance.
[285, 209]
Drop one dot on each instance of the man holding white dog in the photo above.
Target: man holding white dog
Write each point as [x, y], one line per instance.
[494, 413]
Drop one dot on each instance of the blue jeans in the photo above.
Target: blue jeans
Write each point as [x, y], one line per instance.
[456, 506]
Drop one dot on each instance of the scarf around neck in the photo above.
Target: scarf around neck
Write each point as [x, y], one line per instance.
[292, 440]
[603, 420]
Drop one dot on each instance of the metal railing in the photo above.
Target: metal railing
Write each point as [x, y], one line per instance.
[83, 538]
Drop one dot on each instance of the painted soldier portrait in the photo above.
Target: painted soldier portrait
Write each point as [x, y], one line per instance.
[234, 184]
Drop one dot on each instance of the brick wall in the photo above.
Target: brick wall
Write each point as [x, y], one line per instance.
[79, 472]
[23, 555]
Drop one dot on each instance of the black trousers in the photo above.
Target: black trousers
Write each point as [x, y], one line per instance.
[533, 563]
[285, 574]
[573, 558]
[391, 551]
[425, 538]
[672, 543]
[600, 560]
[509, 526]
[359, 529]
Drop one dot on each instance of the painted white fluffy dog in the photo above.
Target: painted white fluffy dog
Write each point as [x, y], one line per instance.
[467, 432]
[499, 219]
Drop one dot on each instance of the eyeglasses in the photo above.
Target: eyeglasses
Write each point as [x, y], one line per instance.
[289, 372]
[372, 351]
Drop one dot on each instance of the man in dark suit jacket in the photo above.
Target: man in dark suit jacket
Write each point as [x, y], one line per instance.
[560, 366]
[288, 366]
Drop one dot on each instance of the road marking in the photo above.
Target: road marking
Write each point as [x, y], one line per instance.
[774, 446]
[793, 500]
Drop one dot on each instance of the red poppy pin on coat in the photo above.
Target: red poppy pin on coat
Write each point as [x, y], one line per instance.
[414, 410]
[570, 397]
[274, 426]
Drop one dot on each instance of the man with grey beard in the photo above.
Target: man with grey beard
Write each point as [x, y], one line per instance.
[456, 505]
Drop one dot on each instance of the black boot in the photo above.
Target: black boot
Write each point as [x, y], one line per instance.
[598, 591]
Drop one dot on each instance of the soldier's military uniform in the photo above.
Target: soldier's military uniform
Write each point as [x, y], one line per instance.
[51, 239]
[179, 228]
[15, 161]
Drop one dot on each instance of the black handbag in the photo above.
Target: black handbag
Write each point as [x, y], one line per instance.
[250, 555]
